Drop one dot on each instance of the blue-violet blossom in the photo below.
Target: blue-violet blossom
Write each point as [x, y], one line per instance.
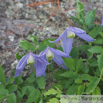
[30, 58]
[68, 35]
[102, 22]
[51, 53]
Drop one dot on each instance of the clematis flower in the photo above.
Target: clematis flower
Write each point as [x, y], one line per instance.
[102, 22]
[30, 58]
[68, 35]
[53, 54]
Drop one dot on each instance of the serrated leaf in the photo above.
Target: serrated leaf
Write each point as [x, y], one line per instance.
[94, 32]
[10, 80]
[100, 61]
[92, 85]
[23, 91]
[19, 96]
[30, 79]
[73, 89]
[53, 100]
[2, 76]
[74, 52]
[96, 91]
[51, 92]
[98, 41]
[29, 89]
[26, 45]
[41, 82]
[11, 88]
[2, 97]
[81, 89]
[80, 11]
[44, 44]
[69, 62]
[68, 74]
[33, 96]
[79, 64]
[11, 98]
[89, 19]
[34, 39]
[96, 49]
[18, 80]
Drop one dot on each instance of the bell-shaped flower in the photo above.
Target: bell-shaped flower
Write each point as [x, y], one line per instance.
[68, 35]
[30, 58]
[102, 22]
[53, 54]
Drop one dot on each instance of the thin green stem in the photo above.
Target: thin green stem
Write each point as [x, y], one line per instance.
[100, 76]
[49, 74]
[33, 69]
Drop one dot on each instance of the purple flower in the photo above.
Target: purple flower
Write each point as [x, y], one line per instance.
[68, 35]
[102, 22]
[30, 58]
[50, 53]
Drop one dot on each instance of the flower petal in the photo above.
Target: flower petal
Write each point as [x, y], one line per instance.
[59, 61]
[60, 37]
[43, 52]
[59, 53]
[67, 44]
[20, 66]
[102, 22]
[76, 30]
[40, 68]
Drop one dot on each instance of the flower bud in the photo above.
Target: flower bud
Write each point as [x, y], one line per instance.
[49, 54]
[70, 34]
[30, 60]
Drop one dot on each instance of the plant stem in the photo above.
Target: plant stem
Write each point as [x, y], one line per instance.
[33, 68]
[49, 74]
[100, 76]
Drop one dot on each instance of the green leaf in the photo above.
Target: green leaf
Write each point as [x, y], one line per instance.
[80, 11]
[29, 89]
[34, 39]
[26, 45]
[10, 80]
[94, 32]
[69, 73]
[11, 88]
[3, 93]
[92, 85]
[33, 96]
[98, 41]
[89, 19]
[53, 100]
[73, 89]
[19, 96]
[11, 98]
[96, 49]
[2, 98]
[79, 64]
[23, 91]
[100, 61]
[18, 80]
[96, 91]
[30, 79]
[44, 44]
[18, 56]
[41, 82]
[81, 89]
[74, 52]
[69, 62]
[85, 69]
[2, 76]
[51, 92]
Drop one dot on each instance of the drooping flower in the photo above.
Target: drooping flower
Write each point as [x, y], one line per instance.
[102, 22]
[68, 35]
[30, 58]
[53, 54]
